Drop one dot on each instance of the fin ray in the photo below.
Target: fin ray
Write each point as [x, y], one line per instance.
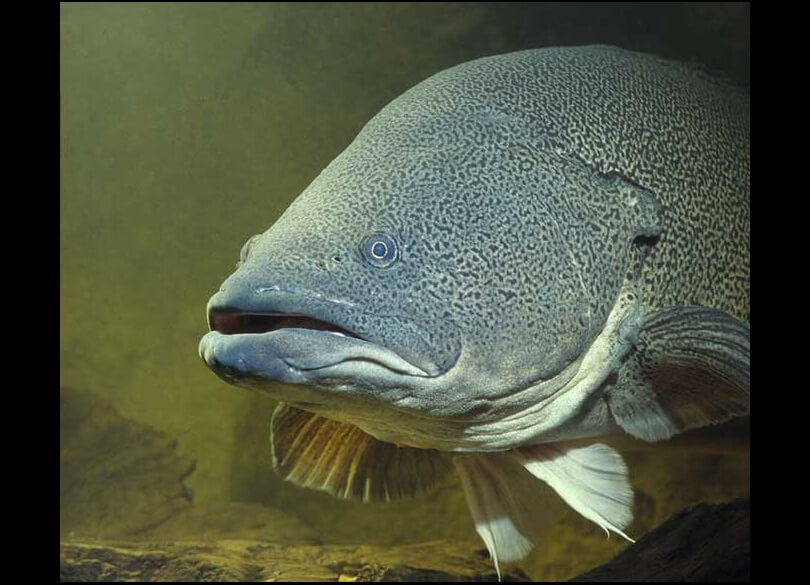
[690, 369]
[495, 507]
[316, 452]
[592, 480]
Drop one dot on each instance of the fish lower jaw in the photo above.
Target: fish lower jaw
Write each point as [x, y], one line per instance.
[302, 356]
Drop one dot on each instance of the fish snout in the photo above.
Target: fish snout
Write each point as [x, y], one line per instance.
[245, 306]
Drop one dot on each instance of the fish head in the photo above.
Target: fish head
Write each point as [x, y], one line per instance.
[442, 262]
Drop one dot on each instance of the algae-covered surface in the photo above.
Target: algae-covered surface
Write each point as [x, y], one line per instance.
[188, 127]
[703, 543]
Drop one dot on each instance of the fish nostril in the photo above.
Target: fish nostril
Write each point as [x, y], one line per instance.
[333, 261]
[328, 264]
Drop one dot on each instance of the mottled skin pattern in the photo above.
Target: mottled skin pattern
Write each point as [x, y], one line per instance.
[523, 190]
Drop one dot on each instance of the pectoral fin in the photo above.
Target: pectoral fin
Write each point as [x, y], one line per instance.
[690, 368]
[339, 458]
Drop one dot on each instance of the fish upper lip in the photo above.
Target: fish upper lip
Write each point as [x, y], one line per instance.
[311, 294]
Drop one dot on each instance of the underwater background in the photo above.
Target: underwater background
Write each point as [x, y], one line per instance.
[187, 128]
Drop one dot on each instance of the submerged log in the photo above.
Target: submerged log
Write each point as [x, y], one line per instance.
[706, 542]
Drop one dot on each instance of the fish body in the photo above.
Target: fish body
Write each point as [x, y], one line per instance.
[519, 252]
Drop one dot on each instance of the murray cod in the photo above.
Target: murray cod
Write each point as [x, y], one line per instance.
[517, 256]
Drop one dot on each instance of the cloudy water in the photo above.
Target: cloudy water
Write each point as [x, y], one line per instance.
[188, 127]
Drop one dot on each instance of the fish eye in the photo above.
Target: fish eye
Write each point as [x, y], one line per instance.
[380, 250]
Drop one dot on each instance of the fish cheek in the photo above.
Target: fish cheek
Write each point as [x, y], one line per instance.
[600, 226]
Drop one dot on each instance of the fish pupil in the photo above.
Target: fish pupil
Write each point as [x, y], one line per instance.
[379, 250]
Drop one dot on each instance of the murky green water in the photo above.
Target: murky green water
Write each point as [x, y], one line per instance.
[186, 128]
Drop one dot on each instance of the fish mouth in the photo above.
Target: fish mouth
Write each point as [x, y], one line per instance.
[248, 344]
[231, 321]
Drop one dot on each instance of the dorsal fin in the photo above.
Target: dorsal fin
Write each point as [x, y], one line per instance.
[339, 458]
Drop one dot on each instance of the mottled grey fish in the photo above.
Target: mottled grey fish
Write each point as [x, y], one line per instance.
[519, 252]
